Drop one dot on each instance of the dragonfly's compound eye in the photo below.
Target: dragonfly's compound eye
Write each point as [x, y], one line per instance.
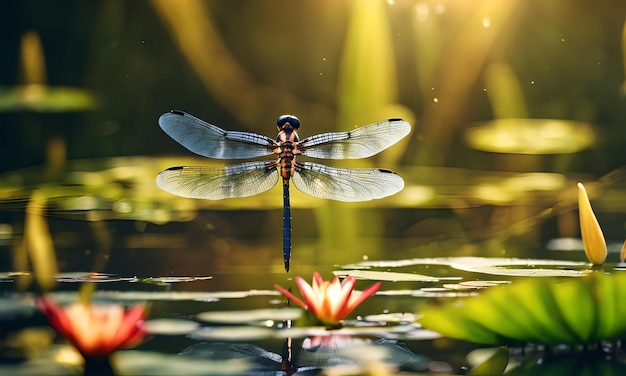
[283, 119]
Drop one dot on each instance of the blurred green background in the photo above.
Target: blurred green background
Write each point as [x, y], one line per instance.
[511, 103]
[240, 64]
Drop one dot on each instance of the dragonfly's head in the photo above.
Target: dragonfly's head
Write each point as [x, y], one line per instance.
[283, 120]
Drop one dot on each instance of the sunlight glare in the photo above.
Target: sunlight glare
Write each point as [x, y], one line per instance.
[422, 10]
[418, 194]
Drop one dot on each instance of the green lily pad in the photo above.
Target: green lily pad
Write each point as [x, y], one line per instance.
[495, 266]
[495, 364]
[397, 317]
[40, 98]
[386, 276]
[403, 331]
[541, 311]
[233, 333]
[63, 360]
[165, 295]
[169, 326]
[430, 292]
[242, 317]
[94, 277]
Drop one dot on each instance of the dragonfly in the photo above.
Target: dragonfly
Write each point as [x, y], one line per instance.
[254, 177]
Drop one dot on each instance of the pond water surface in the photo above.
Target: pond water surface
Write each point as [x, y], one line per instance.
[213, 309]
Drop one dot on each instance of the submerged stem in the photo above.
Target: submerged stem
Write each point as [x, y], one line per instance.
[98, 366]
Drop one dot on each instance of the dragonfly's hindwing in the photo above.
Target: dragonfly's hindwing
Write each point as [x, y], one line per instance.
[216, 183]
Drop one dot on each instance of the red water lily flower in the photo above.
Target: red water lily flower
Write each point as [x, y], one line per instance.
[96, 330]
[329, 301]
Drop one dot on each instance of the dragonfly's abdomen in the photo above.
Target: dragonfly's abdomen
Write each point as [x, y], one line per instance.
[286, 227]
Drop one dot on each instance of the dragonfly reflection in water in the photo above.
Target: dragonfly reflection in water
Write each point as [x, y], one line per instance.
[251, 178]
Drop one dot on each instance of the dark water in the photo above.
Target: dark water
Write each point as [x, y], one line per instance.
[229, 247]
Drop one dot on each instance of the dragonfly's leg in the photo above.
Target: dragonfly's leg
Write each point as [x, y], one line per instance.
[286, 226]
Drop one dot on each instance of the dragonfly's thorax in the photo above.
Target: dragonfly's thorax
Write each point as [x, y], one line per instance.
[286, 156]
[287, 133]
[287, 146]
[287, 143]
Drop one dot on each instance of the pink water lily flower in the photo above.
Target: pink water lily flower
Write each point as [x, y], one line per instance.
[96, 330]
[329, 301]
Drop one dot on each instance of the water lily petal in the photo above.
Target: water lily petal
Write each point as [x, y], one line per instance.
[291, 296]
[310, 294]
[56, 316]
[341, 297]
[130, 333]
[359, 297]
[335, 298]
[318, 281]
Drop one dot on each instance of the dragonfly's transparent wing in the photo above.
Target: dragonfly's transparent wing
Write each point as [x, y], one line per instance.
[215, 183]
[359, 143]
[346, 184]
[211, 141]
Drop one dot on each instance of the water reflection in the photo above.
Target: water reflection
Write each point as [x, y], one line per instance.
[123, 188]
[462, 206]
[238, 233]
[341, 353]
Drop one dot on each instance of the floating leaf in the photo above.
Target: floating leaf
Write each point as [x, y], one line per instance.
[402, 331]
[493, 265]
[392, 317]
[79, 277]
[469, 285]
[162, 281]
[232, 333]
[458, 286]
[150, 363]
[232, 317]
[385, 276]
[479, 283]
[169, 326]
[13, 307]
[104, 277]
[41, 98]
[521, 136]
[547, 312]
[494, 365]
[430, 292]
[166, 295]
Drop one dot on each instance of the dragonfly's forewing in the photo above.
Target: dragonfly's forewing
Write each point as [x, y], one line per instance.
[361, 142]
[216, 183]
[211, 141]
[346, 184]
